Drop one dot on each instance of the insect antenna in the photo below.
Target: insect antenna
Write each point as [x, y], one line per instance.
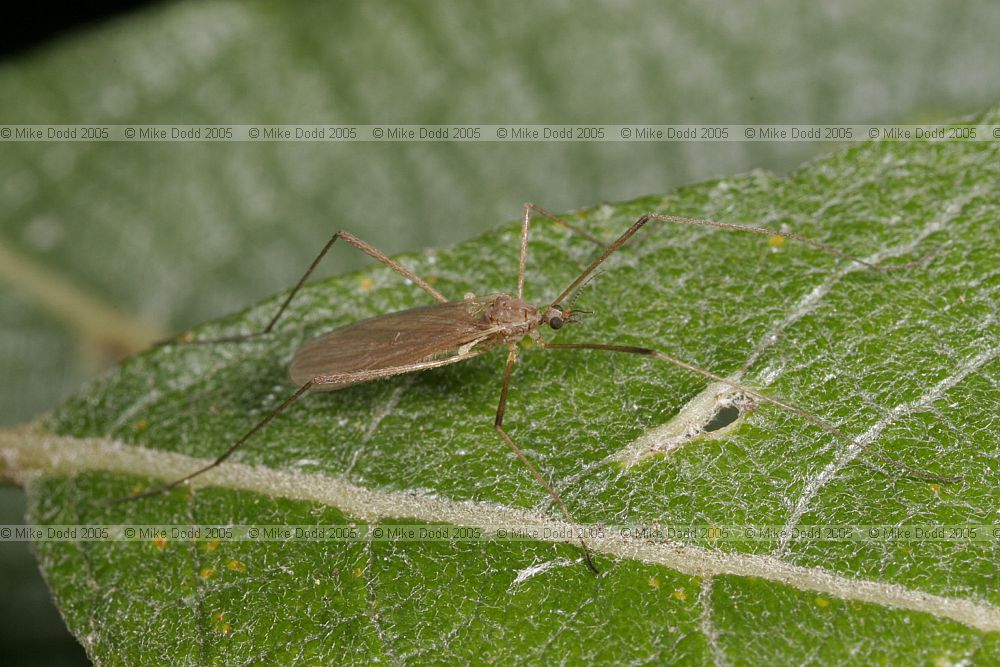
[763, 231]
[569, 308]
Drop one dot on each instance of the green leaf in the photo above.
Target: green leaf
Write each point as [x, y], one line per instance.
[905, 360]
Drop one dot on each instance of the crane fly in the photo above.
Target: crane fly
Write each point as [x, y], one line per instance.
[448, 332]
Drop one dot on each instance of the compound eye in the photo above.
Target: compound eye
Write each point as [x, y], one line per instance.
[556, 322]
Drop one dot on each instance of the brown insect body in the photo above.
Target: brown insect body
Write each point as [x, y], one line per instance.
[411, 340]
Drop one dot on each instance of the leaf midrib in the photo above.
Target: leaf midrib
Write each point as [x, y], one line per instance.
[28, 453]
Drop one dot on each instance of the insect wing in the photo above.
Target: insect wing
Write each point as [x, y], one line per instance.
[392, 340]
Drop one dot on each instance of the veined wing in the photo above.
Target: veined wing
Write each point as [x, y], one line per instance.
[393, 340]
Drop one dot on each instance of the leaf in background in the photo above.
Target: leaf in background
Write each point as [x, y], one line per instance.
[905, 359]
[172, 234]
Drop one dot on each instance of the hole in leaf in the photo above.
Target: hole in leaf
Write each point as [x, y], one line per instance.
[724, 416]
[715, 412]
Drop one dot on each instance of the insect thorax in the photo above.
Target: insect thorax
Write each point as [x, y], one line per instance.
[516, 316]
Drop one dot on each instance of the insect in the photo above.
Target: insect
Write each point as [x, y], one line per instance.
[448, 332]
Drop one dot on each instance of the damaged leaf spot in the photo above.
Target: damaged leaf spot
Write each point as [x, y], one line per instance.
[715, 412]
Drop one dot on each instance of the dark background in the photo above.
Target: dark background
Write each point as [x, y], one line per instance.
[38, 24]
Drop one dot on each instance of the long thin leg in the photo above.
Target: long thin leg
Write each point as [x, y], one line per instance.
[316, 383]
[638, 224]
[530, 208]
[498, 424]
[226, 454]
[369, 250]
[813, 419]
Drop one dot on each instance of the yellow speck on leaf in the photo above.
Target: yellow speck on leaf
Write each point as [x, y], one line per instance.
[367, 284]
[714, 533]
[141, 425]
[936, 488]
[221, 625]
[206, 573]
[357, 572]
[236, 566]
[776, 241]
[160, 542]
[822, 602]
[680, 595]
[653, 582]
[212, 546]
